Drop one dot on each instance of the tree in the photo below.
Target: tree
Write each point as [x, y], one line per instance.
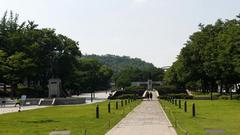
[18, 66]
[210, 57]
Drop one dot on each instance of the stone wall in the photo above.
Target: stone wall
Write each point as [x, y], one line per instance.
[69, 101]
[58, 101]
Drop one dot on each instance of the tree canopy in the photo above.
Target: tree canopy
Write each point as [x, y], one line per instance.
[119, 63]
[127, 70]
[34, 55]
[210, 58]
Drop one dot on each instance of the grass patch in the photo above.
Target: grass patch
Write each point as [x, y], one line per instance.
[216, 114]
[77, 119]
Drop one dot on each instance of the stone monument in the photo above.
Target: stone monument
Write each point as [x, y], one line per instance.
[150, 84]
[54, 87]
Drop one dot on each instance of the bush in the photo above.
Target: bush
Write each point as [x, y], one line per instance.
[2, 94]
[225, 97]
[136, 88]
[126, 96]
[228, 97]
[126, 93]
[167, 89]
[178, 96]
[237, 97]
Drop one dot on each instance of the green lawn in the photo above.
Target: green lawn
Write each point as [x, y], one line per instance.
[216, 114]
[77, 119]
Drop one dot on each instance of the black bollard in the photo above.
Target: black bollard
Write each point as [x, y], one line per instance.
[97, 112]
[109, 107]
[116, 105]
[185, 106]
[125, 102]
[175, 102]
[179, 104]
[91, 97]
[211, 95]
[128, 100]
[121, 103]
[193, 110]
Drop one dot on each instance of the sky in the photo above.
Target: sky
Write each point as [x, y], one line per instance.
[153, 30]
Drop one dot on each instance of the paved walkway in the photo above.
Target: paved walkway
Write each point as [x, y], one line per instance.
[146, 119]
[11, 108]
[100, 96]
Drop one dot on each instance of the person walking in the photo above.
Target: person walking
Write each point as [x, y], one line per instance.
[17, 102]
[151, 95]
[147, 95]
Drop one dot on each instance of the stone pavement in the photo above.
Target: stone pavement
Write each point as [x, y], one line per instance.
[146, 119]
[100, 96]
[11, 108]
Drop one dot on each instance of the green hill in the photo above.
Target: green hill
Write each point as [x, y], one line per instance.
[119, 63]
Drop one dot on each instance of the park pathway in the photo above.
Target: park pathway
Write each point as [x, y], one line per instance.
[11, 108]
[148, 118]
[100, 96]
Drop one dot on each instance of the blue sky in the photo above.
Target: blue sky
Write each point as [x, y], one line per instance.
[154, 30]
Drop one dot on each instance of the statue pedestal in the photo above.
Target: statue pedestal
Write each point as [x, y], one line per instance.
[54, 87]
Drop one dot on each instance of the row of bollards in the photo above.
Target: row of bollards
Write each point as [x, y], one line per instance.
[179, 104]
[127, 101]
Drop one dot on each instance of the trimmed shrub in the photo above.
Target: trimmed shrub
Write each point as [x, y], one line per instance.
[225, 97]
[166, 89]
[126, 96]
[136, 88]
[121, 94]
[177, 96]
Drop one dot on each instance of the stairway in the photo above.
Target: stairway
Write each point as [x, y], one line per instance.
[44, 102]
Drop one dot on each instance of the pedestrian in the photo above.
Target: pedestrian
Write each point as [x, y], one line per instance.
[151, 95]
[17, 102]
[147, 95]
